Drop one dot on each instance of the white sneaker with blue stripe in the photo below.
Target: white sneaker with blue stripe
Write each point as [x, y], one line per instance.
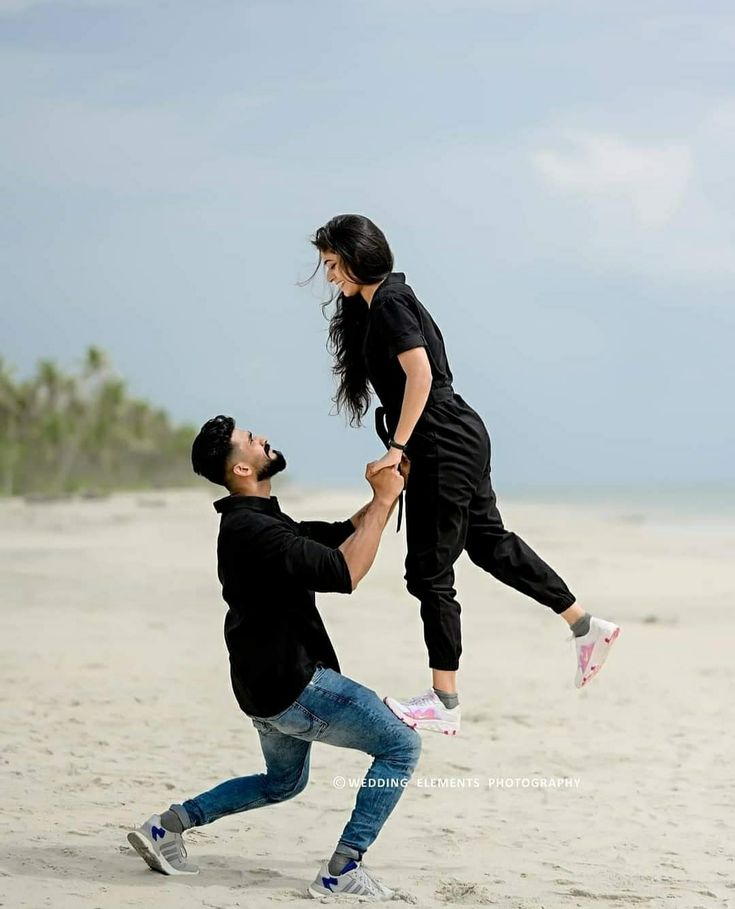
[161, 849]
[354, 880]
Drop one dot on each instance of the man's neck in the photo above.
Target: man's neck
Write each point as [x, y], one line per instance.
[260, 490]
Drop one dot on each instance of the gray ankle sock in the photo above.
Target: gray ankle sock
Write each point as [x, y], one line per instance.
[581, 626]
[176, 819]
[343, 855]
[450, 701]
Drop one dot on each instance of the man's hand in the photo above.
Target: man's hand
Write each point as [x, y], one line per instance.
[404, 467]
[387, 483]
[392, 458]
[360, 548]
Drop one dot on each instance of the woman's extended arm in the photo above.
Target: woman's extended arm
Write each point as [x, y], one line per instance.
[415, 364]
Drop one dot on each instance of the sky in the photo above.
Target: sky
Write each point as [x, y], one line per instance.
[556, 179]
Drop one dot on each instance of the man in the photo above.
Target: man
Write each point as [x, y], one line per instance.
[284, 670]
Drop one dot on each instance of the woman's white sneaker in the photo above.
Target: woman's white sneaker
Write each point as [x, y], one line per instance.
[426, 713]
[593, 649]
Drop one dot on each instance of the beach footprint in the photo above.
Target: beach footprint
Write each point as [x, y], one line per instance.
[462, 892]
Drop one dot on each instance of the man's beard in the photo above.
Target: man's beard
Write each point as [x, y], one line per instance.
[274, 466]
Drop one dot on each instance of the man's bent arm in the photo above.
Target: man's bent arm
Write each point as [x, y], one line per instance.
[360, 549]
[327, 533]
[335, 533]
[404, 470]
[359, 515]
[314, 566]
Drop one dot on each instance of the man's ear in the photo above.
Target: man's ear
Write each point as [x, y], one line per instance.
[241, 469]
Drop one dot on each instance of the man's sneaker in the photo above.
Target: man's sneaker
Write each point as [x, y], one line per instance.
[426, 713]
[161, 849]
[593, 648]
[354, 880]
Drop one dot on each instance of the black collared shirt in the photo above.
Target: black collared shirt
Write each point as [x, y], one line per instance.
[398, 321]
[269, 566]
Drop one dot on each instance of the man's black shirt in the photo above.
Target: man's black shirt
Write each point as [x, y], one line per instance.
[269, 566]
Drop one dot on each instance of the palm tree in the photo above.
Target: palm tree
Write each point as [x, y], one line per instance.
[9, 442]
[63, 432]
[82, 412]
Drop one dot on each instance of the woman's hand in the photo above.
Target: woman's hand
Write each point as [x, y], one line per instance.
[392, 458]
[404, 469]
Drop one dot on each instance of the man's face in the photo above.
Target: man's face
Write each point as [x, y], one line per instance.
[256, 453]
[335, 273]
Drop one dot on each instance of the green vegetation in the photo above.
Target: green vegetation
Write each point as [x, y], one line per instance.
[65, 433]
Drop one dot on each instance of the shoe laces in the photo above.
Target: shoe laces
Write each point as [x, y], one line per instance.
[371, 885]
[422, 700]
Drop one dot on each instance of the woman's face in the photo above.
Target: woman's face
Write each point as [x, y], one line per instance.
[334, 272]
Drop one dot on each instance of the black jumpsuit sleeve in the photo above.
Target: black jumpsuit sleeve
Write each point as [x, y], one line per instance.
[399, 325]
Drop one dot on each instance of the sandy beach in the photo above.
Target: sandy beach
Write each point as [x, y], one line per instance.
[115, 701]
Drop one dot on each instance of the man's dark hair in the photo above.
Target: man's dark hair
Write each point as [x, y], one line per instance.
[212, 449]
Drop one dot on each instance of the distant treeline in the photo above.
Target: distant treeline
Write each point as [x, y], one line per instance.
[82, 432]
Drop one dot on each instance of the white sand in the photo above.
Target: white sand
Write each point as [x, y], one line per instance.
[115, 701]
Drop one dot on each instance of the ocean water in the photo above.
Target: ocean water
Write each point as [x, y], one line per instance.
[694, 509]
[691, 508]
[690, 500]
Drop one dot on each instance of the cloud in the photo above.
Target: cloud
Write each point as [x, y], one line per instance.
[651, 180]
[663, 209]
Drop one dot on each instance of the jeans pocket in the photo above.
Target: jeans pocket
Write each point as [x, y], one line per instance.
[300, 722]
[260, 724]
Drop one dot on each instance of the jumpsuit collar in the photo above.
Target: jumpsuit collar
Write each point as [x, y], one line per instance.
[395, 277]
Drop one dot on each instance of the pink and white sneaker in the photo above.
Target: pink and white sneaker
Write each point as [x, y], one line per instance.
[426, 713]
[593, 648]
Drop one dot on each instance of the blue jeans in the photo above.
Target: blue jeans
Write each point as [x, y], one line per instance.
[337, 711]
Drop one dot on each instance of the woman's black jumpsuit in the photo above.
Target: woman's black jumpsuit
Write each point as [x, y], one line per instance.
[450, 503]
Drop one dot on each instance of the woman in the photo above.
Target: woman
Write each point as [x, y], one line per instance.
[382, 336]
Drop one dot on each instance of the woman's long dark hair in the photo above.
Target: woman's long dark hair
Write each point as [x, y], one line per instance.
[367, 258]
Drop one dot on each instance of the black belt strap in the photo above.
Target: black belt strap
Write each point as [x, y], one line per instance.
[382, 430]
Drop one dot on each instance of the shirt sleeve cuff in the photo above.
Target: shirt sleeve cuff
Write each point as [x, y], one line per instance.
[347, 528]
[406, 342]
[346, 577]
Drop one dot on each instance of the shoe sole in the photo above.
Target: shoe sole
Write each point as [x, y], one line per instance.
[604, 652]
[347, 897]
[419, 725]
[150, 856]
